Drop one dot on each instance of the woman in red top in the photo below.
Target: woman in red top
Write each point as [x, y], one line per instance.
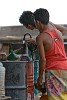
[52, 57]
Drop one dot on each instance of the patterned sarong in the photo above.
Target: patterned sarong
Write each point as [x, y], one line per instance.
[56, 84]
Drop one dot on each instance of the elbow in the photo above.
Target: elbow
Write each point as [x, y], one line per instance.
[43, 60]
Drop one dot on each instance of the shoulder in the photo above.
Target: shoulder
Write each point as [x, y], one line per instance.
[43, 36]
[40, 37]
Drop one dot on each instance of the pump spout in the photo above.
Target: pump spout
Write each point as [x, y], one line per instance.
[26, 35]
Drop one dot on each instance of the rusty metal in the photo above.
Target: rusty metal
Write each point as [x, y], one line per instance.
[19, 80]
